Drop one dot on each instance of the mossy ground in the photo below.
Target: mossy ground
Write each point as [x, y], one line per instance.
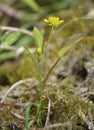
[71, 103]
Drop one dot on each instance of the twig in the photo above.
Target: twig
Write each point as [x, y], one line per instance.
[55, 125]
[16, 115]
[11, 48]
[86, 120]
[19, 50]
[87, 94]
[14, 86]
[58, 125]
[10, 11]
[4, 104]
[15, 29]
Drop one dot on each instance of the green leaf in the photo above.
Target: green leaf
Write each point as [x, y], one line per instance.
[7, 55]
[38, 37]
[32, 4]
[69, 44]
[29, 123]
[24, 40]
[27, 116]
[10, 38]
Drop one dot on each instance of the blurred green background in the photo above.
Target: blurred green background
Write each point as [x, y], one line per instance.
[78, 17]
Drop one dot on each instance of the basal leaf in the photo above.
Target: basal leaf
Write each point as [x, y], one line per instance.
[10, 38]
[24, 40]
[27, 116]
[7, 55]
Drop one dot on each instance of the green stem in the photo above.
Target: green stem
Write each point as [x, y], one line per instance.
[50, 34]
[40, 79]
[49, 72]
[51, 69]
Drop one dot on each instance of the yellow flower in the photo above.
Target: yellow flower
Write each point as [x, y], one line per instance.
[53, 21]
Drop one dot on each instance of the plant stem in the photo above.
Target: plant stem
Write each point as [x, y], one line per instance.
[50, 34]
[40, 80]
[50, 71]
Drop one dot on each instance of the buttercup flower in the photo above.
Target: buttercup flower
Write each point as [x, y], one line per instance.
[53, 21]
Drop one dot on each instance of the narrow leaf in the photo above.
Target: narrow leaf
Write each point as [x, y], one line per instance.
[7, 55]
[38, 37]
[24, 40]
[27, 116]
[32, 4]
[10, 38]
[70, 44]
